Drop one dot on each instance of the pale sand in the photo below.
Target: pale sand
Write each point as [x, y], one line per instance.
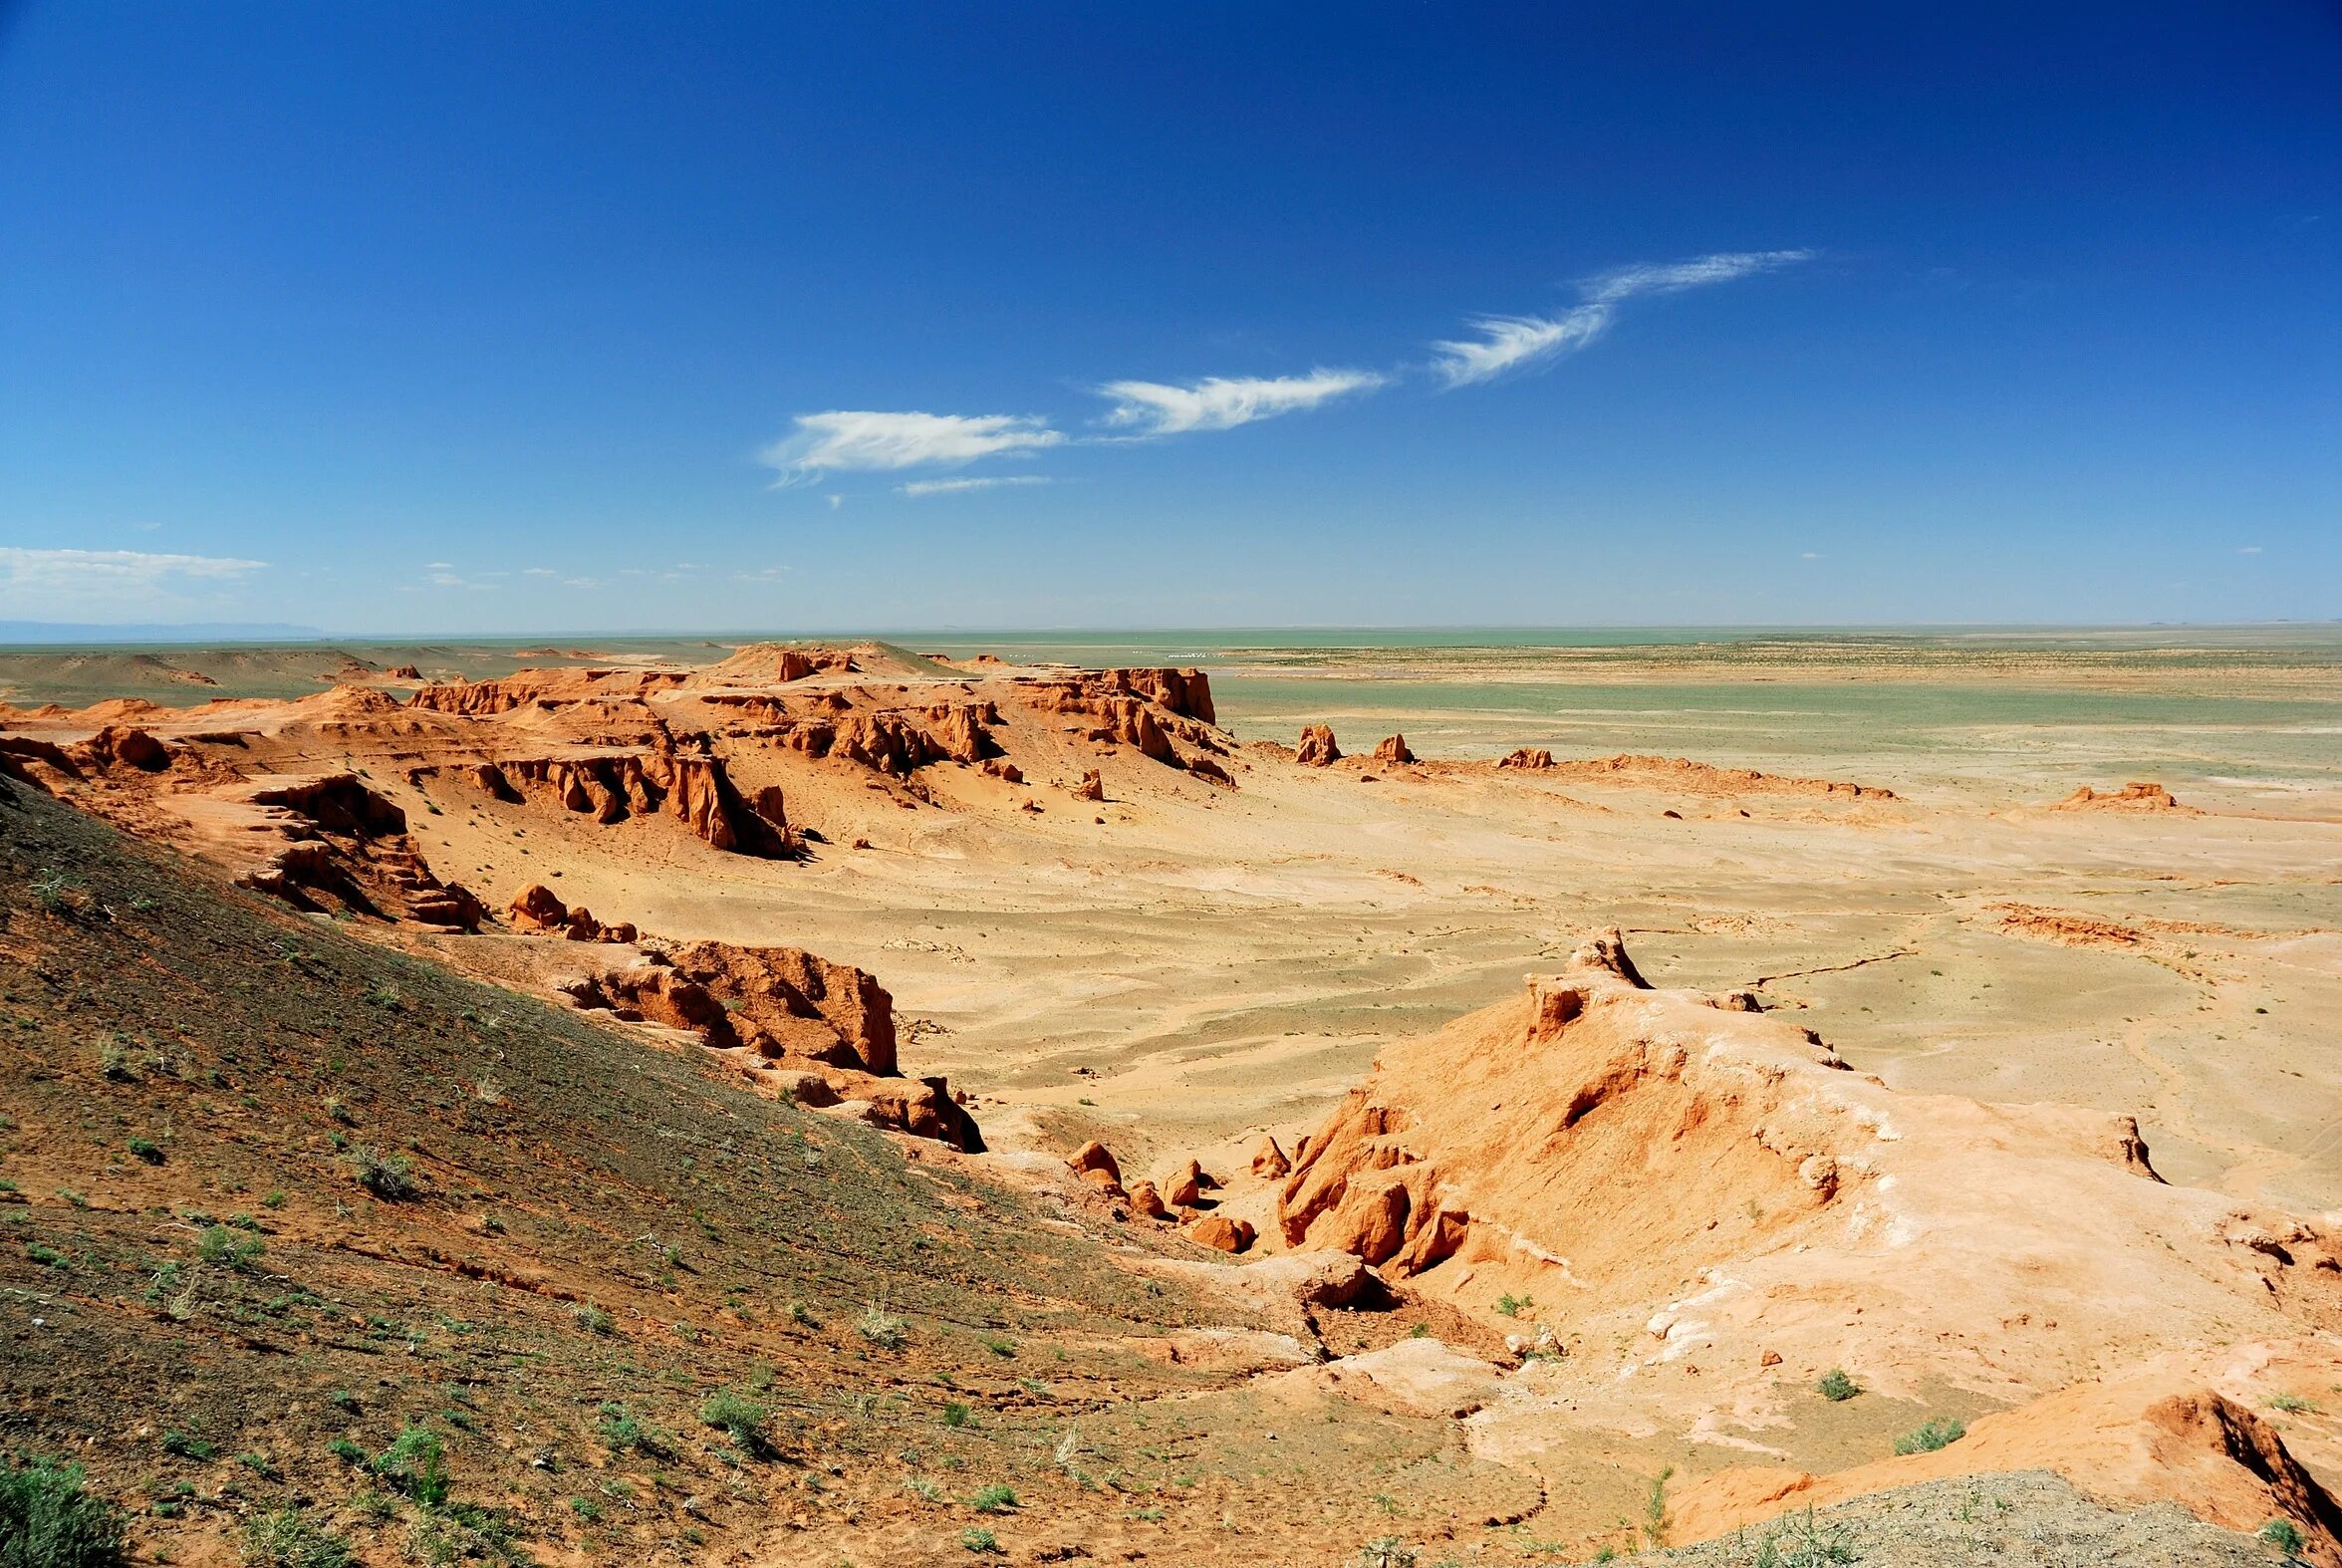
[1223, 964]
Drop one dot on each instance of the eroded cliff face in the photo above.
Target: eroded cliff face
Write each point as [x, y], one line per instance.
[1723, 1181]
[792, 1021]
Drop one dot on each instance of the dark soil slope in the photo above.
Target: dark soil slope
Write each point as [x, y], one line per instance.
[277, 1195]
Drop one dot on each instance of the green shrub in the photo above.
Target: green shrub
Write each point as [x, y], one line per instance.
[146, 1149]
[415, 1463]
[386, 1175]
[187, 1446]
[57, 893]
[229, 1247]
[956, 1412]
[2283, 1534]
[48, 1520]
[464, 1533]
[979, 1540]
[1806, 1543]
[886, 1330]
[994, 1499]
[1837, 1387]
[1654, 1508]
[619, 1431]
[286, 1539]
[594, 1319]
[1389, 1552]
[347, 1451]
[1938, 1431]
[739, 1416]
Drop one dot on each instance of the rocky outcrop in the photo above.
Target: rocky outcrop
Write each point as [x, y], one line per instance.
[886, 743]
[121, 746]
[348, 846]
[613, 786]
[1715, 1183]
[1145, 709]
[1699, 778]
[1392, 751]
[2138, 795]
[1270, 1162]
[1146, 1202]
[1092, 787]
[699, 793]
[1316, 750]
[545, 689]
[1205, 768]
[537, 910]
[770, 664]
[780, 1008]
[1529, 759]
[785, 1001]
[2157, 1433]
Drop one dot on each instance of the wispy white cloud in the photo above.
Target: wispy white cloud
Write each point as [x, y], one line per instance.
[843, 439]
[2248, 548]
[1221, 403]
[1512, 343]
[48, 582]
[984, 482]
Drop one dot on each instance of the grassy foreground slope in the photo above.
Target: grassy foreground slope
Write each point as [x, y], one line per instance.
[295, 1220]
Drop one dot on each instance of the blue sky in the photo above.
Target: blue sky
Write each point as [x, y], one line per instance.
[440, 318]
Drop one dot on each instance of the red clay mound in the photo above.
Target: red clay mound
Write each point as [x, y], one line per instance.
[2139, 796]
[2160, 1435]
[1712, 1184]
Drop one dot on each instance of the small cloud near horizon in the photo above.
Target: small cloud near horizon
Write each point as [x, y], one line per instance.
[917, 487]
[2248, 550]
[50, 579]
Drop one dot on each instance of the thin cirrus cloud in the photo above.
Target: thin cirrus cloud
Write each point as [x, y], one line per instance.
[47, 580]
[1221, 403]
[1512, 343]
[843, 440]
[917, 487]
[862, 440]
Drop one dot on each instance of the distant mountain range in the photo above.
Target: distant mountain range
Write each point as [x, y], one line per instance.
[158, 631]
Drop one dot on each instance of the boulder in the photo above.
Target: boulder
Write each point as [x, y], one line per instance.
[1145, 1201]
[1318, 749]
[1269, 1160]
[1537, 760]
[1392, 751]
[1092, 787]
[1186, 1185]
[1094, 1162]
[537, 908]
[1222, 1232]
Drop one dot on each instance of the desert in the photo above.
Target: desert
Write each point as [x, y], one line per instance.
[909, 785]
[1994, 1096]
